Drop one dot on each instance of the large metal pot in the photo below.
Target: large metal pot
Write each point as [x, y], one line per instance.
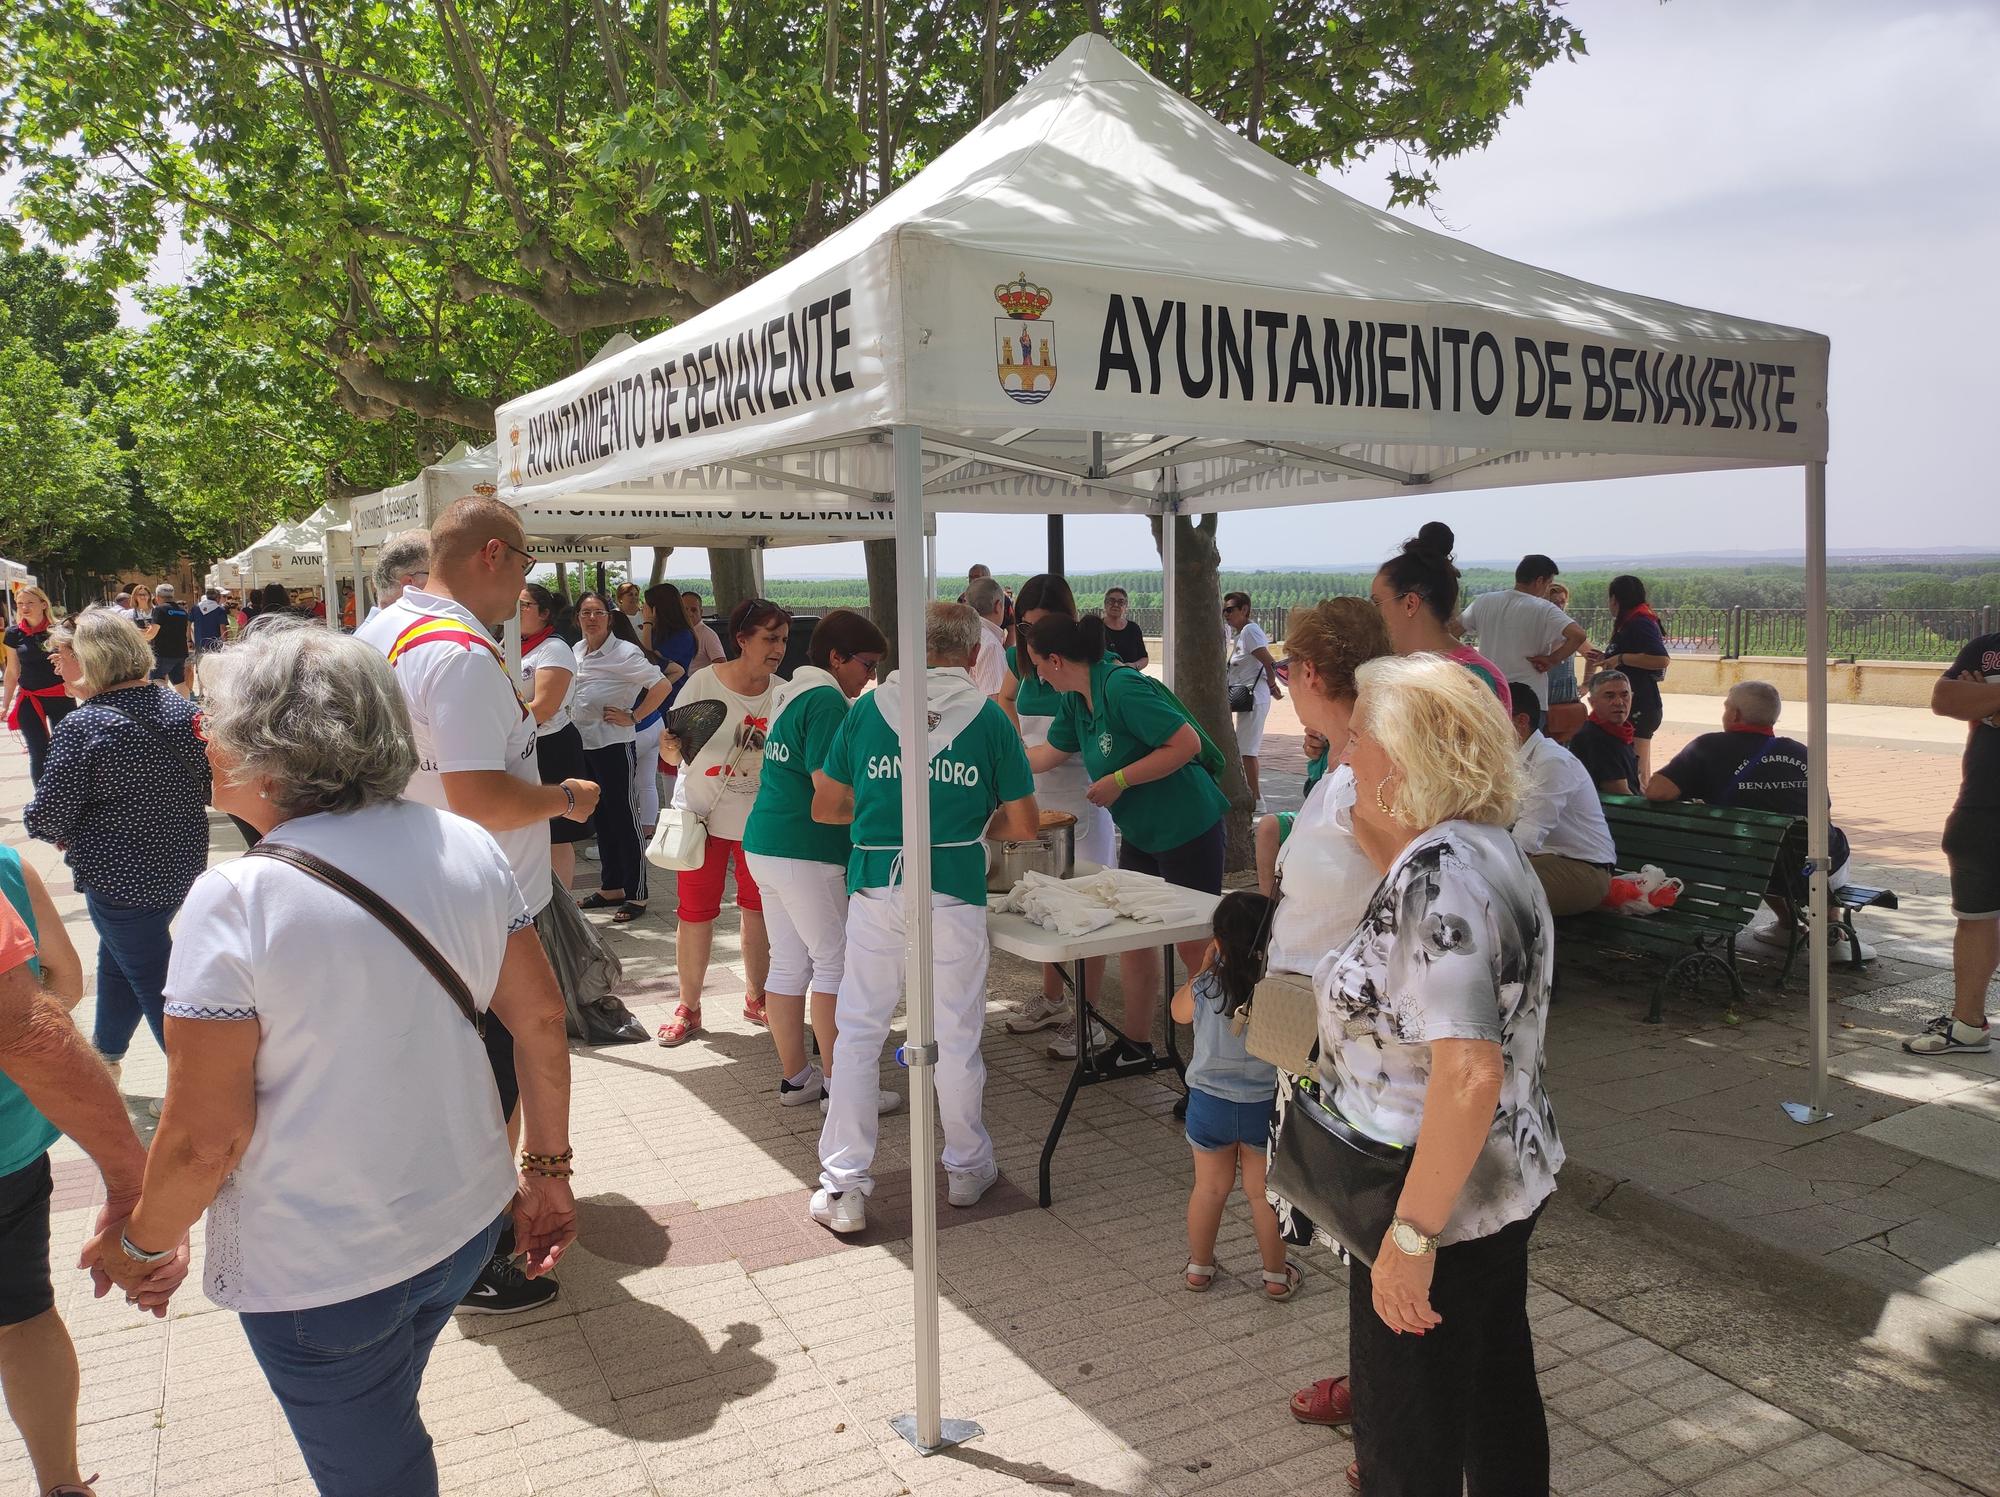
[1052, 852]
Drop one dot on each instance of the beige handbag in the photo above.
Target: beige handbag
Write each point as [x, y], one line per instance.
[1284, 1014]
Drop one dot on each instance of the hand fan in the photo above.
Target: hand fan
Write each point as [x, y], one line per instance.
[693, 725]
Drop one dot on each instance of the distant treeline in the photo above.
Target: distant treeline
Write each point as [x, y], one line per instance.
[1954, 583]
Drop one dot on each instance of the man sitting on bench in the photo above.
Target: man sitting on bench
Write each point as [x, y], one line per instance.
[1604, 742]
[1561, 826]
[1748, 765]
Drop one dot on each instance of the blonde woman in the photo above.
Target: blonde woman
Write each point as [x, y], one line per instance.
[34, 698]
[1431, 1024]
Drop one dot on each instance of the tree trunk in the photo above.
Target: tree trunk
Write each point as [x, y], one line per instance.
[660, 555]
[730, 574]
[1199, 666]
[881, 558]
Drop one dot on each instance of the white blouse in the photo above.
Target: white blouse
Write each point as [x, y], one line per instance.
[552, 654]
[613, 675]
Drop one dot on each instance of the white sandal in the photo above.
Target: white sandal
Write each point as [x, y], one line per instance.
[1204, 1271]
[1291, 1278]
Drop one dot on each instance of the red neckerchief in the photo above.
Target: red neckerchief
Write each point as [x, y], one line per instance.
[533, 641]
[1754, 730]
[1639, 611]
[31, 630]
[1624, 732]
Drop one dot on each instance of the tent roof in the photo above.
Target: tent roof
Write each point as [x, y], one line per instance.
[1137, 225]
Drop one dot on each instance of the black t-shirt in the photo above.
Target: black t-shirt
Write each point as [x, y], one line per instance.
[1980, 662]
[1128, 644]
[1605, 757]
[171, 643]
[1707, 769]
[38, 672]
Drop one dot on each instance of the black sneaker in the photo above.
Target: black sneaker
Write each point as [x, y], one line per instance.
[1123, 1057]
[502, 1289]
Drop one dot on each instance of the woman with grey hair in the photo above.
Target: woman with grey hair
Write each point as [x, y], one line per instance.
[329, 1103]
[124, 794]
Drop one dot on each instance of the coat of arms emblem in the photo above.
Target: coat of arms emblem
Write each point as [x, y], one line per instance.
[1027, 343]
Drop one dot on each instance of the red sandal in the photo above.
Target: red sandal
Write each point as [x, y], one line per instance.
[682, 1027]
[753, 1010]
[1354, 1476]
[1329, 1402]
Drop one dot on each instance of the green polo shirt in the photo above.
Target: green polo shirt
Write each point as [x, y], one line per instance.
[984, 767]
[781, 822]
[1034, 697]
[1127, 717]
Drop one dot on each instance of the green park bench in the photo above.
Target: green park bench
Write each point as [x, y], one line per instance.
[1722, 854]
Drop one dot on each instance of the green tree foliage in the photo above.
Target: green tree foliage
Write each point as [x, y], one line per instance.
[61, 474]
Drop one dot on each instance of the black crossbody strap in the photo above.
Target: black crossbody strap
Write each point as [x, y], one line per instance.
[398, 924]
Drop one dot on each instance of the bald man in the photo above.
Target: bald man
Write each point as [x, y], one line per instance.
[476, 757]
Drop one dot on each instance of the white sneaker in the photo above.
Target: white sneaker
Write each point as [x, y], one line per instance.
[844, 1212]
[1063, 1046]
[812, 1090]
[589, 850]
[1944, 1035]
[886, 1101]
[1038, 1012]
[1775, 933]
[1837, 940]
[966, 1189]
[154, 1107]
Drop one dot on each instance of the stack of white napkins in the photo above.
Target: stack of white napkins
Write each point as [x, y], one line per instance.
[1075, 907]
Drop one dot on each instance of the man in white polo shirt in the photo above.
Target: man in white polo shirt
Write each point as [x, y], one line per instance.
[1561, 826]
[1521, 631]
[476, 754]
[987, 598]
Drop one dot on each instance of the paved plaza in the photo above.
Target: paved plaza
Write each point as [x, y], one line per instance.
[1725, 1302]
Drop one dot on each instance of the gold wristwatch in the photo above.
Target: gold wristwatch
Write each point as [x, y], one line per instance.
[1411, 1242]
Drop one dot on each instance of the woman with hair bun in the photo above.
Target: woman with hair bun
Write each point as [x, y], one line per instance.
[1033, 706]
[548, 685]
[1154, 770]
[1417, 592]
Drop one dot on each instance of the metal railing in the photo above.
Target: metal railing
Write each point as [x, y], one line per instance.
[1933, 634]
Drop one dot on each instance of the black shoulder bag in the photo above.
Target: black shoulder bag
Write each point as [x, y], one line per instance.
[419, 945]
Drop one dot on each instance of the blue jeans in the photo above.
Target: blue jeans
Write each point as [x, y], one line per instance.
[132, 951]
[347, 1376]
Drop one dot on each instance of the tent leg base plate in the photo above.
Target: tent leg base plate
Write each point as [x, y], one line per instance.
[950, 1432]
[1805, 1112]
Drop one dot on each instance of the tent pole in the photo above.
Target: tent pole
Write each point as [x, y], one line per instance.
[360, 588]
[930, 565]
[1169, 543]
[329, 583]
[925, 1429]
[1819, 796]
[1055, 545]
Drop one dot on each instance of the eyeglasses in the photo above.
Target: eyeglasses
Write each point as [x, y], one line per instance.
[527, 557]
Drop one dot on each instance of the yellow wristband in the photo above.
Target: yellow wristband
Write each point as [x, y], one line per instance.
[1118, 779]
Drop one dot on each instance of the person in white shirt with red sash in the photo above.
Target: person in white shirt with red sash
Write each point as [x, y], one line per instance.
[476, 754]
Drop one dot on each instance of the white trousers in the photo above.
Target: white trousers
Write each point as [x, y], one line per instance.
[646, 744]
[1250, 725]
[805, 915]
[869, 992]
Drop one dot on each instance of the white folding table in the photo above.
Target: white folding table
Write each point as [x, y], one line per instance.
[1019, 936]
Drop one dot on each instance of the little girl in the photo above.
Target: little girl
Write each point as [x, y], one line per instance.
[1231, 1096]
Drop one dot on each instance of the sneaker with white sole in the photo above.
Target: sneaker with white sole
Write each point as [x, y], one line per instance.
[1837, 945]
[812, 1089]
[885, 1100]
[1063, 1046]
[1944, 1035]
[503, 1289]
[1776, 933]
[965, 1189]
[840, 1211]
[1039, 1012]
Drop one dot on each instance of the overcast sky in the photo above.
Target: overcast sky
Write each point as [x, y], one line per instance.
[1830, 164]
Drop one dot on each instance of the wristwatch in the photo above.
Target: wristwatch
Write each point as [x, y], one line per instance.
[140, 1255]
[1411, 1242]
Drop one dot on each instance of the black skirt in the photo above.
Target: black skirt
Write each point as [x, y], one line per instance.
[559, 757]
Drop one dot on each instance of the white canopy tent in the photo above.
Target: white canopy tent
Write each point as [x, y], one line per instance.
[1238, 334]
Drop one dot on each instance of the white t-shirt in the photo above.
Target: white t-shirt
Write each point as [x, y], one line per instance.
[1560, 811]
[379, 1148]
[1245, 669]
[552, 654]
[706, 786]
[989, 671]
[1512, 626]
[468, 715]
[1326, 879]
[612, 675]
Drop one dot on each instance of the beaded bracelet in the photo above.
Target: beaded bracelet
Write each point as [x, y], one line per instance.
[565, 1157]
[547, 1173]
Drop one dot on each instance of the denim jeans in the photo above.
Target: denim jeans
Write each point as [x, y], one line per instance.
[347, 1376]
[132, 951]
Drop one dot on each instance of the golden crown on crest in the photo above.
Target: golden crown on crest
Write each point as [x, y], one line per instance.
[1022, 298]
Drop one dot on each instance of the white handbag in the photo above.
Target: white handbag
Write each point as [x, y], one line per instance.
[680, 838]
